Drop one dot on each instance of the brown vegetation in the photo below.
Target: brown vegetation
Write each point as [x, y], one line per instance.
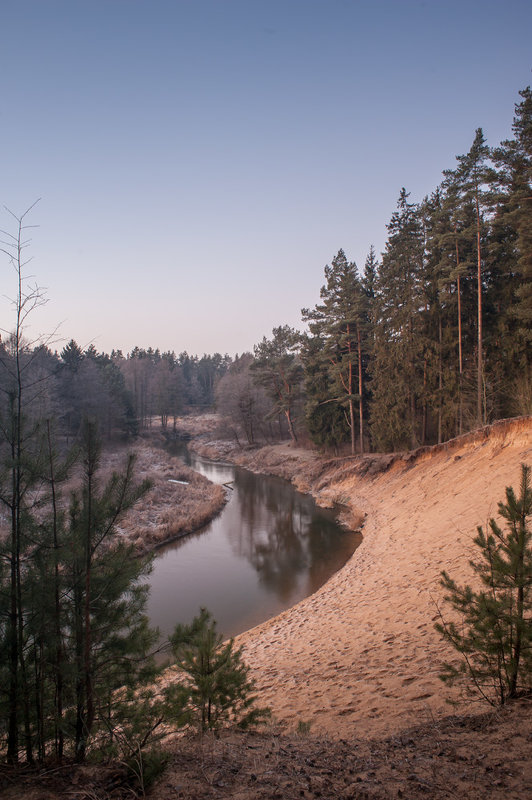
[169, 510]
[180, 500]
[465, 757]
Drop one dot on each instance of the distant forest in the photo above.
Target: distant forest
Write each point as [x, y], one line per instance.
[431, 340]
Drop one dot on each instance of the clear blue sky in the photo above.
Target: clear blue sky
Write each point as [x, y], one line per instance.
[200, 161]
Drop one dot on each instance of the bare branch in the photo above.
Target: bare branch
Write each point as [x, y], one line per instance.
[21, 217]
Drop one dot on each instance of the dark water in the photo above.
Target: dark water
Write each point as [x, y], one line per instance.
[269, 548]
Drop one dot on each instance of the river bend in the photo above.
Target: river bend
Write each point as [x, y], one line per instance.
[270, 547]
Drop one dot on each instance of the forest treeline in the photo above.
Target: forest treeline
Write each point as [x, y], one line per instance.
[429, 340]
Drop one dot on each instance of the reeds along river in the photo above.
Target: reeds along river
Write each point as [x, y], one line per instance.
[269, 548]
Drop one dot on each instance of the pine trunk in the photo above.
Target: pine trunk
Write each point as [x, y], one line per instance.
[360, 390]
[480, 376]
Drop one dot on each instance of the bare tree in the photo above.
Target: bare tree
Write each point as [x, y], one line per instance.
[18, 470]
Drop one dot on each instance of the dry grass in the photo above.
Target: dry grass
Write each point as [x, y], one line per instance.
[466, 757]
[169, 510]
[460, 757]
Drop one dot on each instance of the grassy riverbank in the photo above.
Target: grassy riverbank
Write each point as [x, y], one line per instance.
[180, 501]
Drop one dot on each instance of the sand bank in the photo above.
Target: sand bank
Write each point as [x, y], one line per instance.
[361, 656]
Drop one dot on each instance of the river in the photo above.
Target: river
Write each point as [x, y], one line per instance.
[269, 548]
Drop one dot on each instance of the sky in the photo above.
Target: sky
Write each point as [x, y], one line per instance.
[199, 162]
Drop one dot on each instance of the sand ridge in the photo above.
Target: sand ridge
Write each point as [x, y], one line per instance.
[361, 657]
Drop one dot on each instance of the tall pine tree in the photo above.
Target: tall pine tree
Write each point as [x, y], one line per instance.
[340, 322]
[513, 226]
[397, 369]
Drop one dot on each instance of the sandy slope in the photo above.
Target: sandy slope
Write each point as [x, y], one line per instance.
[361, 656]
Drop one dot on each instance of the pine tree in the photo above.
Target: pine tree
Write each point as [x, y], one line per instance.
[71, 625]
[19, 470]
[340, 323]
[494, 635]
[109, 636]
[82, 635]
[397, 369]
[451, 233]
[277, 367]
[46, 591]
[325, 420]
[513, 225]
[369, 284]
[369, 278]
[217, 679]
[441, 332]
[473, 178]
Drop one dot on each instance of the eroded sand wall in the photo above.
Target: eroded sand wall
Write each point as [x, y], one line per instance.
[361, 656]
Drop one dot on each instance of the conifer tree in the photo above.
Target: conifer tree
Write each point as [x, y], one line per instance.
[108, 634]
[325, 420]
[513, 225]
[340, 321]
[369, 283]
[451, 233]
[277, 367]
[369, 278]
[46, 590]
[441, 335]
[19, 470]
[397, 369]
[473, 179]
[494, 635]
[219, 688]
[82, 634]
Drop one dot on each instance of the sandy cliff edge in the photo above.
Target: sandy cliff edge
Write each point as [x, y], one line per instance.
[361, 656]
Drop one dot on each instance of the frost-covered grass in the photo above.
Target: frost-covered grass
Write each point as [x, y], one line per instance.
[169, 509]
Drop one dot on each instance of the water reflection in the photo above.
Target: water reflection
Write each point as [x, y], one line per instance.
[270, 547]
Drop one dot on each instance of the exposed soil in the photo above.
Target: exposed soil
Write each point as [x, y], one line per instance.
[468, 757]
[477, 757]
